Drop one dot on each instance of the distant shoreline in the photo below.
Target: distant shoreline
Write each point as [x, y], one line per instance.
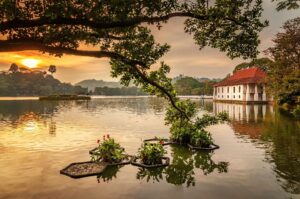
[20, 98]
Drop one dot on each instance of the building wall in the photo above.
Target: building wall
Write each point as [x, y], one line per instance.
[246, 92]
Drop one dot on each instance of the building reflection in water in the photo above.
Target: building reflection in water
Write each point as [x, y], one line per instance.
[273, 130]
[244, 112]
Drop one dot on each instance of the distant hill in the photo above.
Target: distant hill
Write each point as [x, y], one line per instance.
[91, 84]
[200, 79]
[24, 82]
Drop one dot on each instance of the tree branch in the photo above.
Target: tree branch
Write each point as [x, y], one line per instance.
[101, 24]
[161, 88]
[23, 45]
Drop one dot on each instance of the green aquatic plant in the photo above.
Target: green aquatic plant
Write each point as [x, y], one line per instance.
[108, 151]
[190, 128]
[151, 153]
[201, 138]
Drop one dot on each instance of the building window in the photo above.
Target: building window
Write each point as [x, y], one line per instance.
[222, 89]
[234, 89]
[228, 96]
[234, 97]
[239, 96]
[227, 89]
[239, 89]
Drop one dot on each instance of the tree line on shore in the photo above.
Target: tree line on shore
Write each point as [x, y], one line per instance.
[19, 81]
[24, 82]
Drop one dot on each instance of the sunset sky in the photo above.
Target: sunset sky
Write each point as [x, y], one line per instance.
[184, 56]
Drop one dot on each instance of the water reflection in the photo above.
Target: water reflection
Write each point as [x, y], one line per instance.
[245, 112]
[183, 167]
[37, 139]
[109, 174]
[273, 130]
[36, 121]
[139, 106]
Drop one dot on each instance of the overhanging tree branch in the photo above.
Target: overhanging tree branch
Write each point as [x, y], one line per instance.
[100, 24]
[23, 45]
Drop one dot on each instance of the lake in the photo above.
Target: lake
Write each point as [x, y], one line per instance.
[259, 155]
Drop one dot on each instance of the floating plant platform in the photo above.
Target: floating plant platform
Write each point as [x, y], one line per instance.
[84, 169]
[157, 140]
[210, 148]
[137, 162]
[126, 160]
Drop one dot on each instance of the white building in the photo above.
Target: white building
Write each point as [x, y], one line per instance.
[245, 86]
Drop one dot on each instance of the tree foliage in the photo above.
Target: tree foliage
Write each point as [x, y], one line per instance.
[263, 63]
[34, 83]
[14, 68]
[120, 30]
[52, 69]
[284, 78]
[287, 4]
[191, 86]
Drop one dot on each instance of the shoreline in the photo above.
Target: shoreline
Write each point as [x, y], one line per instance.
[20, 98]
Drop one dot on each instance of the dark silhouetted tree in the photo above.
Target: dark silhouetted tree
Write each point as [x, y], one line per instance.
[14, 68]
[52, 69]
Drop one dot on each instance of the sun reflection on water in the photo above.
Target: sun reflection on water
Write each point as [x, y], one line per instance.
[29, 123]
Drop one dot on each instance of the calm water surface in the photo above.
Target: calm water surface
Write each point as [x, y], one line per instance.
[259, 155]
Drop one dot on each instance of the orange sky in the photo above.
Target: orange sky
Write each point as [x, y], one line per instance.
[184, 57]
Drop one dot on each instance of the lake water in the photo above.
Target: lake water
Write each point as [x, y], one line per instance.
[259, 155]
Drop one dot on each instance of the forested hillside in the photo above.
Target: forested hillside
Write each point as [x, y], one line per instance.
[25, 82]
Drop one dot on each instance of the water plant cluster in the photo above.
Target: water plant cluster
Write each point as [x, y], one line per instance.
[190, 129]
[152, 153]
[108, 150]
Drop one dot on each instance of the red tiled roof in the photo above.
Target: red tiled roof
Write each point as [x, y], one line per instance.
[246, 76]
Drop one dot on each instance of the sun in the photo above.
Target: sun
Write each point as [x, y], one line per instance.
[30, 62]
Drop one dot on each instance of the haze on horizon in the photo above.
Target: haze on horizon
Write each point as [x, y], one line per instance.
[184, 56]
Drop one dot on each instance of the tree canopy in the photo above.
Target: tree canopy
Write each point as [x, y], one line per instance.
[52, 69]
[24, 82]
[287, 4]
[191, 86]
[284, 78]
[262, 63]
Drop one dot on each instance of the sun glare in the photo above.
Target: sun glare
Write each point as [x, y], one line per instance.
[30, 63]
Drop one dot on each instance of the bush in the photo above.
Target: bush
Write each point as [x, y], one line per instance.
[152, 154]
[191, 129]
[201, 138]
[109, 151]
